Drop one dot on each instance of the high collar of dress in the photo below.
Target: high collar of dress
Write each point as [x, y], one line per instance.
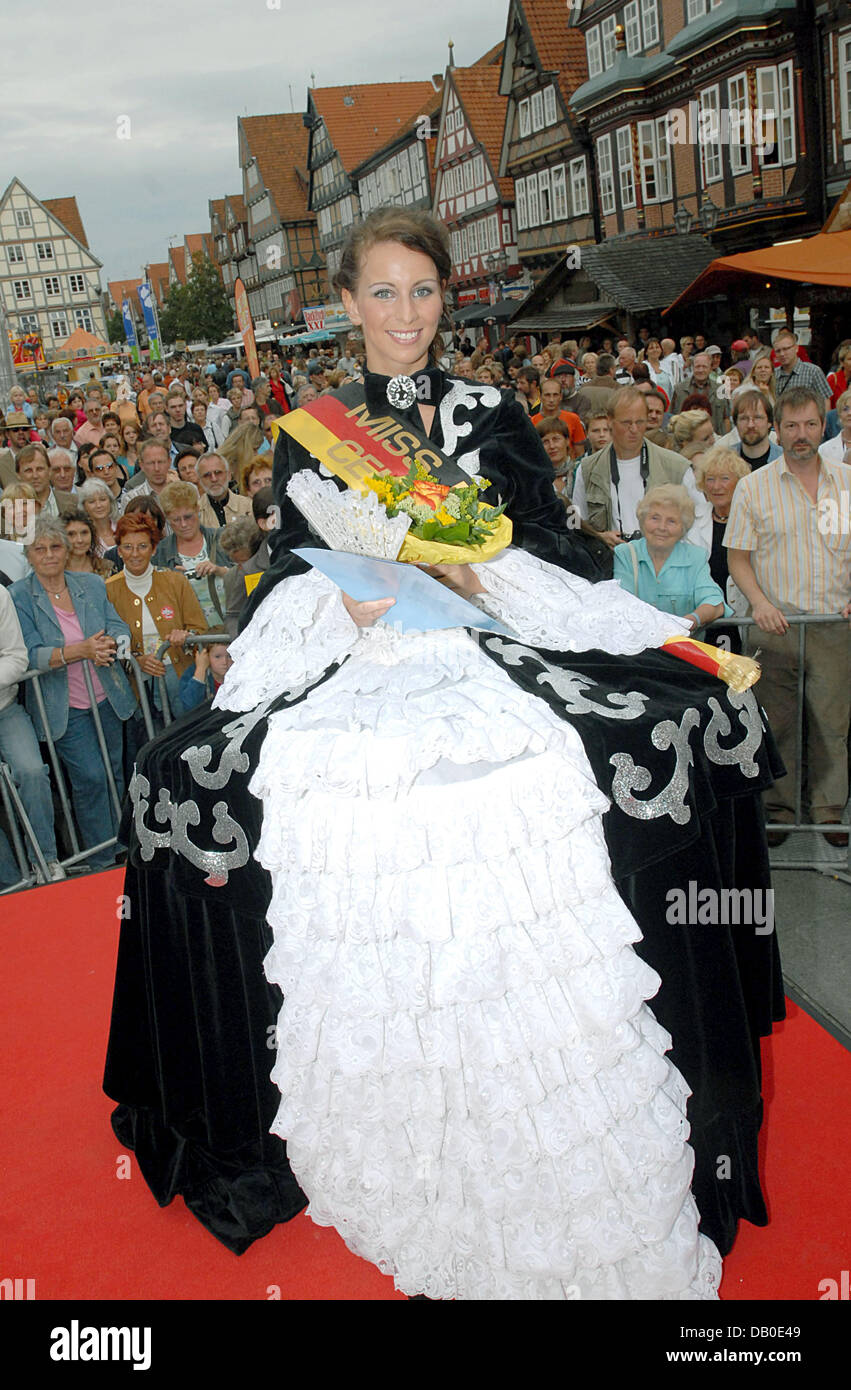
[428, 383]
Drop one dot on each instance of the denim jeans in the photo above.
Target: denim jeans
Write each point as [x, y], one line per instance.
[80, 754]
[19, 748]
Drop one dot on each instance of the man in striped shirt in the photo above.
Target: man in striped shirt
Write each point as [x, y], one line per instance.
[789, 543]
[792, 372]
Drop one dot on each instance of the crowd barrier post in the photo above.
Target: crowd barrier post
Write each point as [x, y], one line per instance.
[196, 639]
[59, 775]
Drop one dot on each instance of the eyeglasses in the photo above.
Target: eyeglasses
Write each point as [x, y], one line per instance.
[102, 467]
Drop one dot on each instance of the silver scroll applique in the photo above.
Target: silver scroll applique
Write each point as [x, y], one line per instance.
[631, 777]
[469, 394]
[233, 759]
[749, 717]
[571, 686]
[217, 864]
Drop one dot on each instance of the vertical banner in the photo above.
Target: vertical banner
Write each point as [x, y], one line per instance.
[146, 299]
[246, 327]
[129, 330]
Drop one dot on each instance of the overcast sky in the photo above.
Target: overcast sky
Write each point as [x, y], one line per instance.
[183, 71]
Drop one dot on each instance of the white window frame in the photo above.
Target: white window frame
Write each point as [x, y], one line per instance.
[843, 53]
[522, 215]
[524, 112]
[632, 28]
[558, 179]
[83, 319]
[550, 106]
[479, 171]
[594, 51]
[649, 22]
[473, 239]
[654, 157]
[59, 325]
[52, 286]
[786, 90]
[545, 197]
[607, 37]
[711, 169]
[82, 288]
[30, 324]
[15, 254]
[22, 290]
[738, 102]
[532, 202]
[493, 223]
[605, 170]
[22, 218]
[467, 166]
[579, 187]
[44, 250]
[626, 167]
[695, 9]
[537, 111]
[464, 245]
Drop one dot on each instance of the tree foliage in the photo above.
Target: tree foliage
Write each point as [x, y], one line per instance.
[200, 309]
[115, 327]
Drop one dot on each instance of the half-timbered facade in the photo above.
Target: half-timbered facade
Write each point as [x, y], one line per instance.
[49, 279]
[347, 125]
[544, 148]
[472, 200]
[401, 172]
[284, 266]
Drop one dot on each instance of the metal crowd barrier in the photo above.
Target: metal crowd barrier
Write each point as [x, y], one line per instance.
[195, 639]
[801, 622]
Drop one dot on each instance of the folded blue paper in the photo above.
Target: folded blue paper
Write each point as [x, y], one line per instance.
[422, 602]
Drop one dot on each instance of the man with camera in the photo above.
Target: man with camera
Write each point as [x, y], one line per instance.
[610, 483]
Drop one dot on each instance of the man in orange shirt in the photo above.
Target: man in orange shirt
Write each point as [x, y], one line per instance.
[551, 399]
[92, 431]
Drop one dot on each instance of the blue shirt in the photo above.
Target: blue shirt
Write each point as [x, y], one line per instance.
[682, 583]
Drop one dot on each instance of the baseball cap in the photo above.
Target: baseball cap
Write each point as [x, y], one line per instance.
[712, 348]
[565, 368]
[739, 345]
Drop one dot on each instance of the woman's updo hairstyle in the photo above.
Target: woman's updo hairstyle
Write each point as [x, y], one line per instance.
[419, 231]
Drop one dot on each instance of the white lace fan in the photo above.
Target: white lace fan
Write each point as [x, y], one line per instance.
[349, 521]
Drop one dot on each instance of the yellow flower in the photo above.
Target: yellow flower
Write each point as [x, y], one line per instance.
[444, 517]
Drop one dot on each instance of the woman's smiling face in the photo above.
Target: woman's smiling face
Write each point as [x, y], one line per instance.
[398, 303]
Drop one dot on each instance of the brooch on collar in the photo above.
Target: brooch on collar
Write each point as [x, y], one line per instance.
[401, 392]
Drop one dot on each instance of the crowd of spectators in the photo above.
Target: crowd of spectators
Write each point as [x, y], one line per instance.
[134, 514]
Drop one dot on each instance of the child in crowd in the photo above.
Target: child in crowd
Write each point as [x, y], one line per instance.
[201, 682]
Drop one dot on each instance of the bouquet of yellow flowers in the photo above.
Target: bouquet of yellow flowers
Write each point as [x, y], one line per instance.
[449, 525]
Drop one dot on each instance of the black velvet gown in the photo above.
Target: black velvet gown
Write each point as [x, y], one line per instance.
[192, 1039]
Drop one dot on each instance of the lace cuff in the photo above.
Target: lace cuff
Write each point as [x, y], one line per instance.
[295, 635]
[550, 607]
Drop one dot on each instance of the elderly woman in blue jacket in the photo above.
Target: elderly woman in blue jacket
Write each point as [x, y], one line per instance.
[66, 619]
[662, 568]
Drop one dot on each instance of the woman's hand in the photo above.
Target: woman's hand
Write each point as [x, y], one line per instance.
[366, 614]
[150, 666]
[207, 567]
[461, 579]
[177, 636]
[101, 648]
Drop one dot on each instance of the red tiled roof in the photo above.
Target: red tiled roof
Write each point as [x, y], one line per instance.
[364, 118]
[279, 144]
[493, 55]
[406, 126]
[197, 241]
[177, 256]
[158, 276]
[66, 210]
[478, 92]
[236, 203]
[559, 48]
[119, 290]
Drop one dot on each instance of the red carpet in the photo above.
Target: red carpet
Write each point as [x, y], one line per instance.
[81, 1231]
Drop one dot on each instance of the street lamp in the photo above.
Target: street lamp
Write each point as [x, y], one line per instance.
[683, 220]
[708, 215]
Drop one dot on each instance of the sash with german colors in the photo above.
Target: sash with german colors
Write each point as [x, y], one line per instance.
[339, 430]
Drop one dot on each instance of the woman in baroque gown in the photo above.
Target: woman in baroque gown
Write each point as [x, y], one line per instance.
[473, 1087]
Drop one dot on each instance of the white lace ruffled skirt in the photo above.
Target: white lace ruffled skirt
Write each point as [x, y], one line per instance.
[473, 1089]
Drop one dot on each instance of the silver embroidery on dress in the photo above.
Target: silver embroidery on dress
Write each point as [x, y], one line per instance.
[630, 777]
[570, 685]
[749, 718]
[469, 394]
[232, 760]
[217, 864]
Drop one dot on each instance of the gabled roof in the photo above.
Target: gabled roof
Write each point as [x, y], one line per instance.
[279, 144]
[236, 203]
[119, 290]
[407, 128]
[177, 257]
[493, 55]
[478, 92]
[67, 212]
[362, 118]
[197, 241]
[559, 48]
[640, 273]
[216, 207]
[158, 276]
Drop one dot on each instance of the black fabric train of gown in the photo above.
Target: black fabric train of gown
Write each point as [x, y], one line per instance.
[684, 762]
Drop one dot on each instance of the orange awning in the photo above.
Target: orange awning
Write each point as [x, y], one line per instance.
[823, 259]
